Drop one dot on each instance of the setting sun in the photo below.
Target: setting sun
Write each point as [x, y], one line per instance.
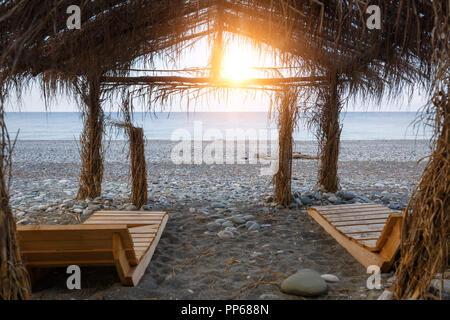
[239, 62]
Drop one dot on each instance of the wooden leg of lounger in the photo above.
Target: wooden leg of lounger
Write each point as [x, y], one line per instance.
[120, 260]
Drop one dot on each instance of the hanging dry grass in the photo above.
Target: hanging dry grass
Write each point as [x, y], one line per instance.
[139, 186]
[287, 119]
[426, 227]
[90, 184]
[136, 154]
[14, 279]
[329, 133]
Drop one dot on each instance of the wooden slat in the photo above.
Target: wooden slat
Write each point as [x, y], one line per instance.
[82, 233]
[363, 222]
[128, 224]
[51, 245]
[54, 264]
[115, 218]
[350, 205]
[146, 239]
[366, 236]
[70, 255]
[138, 236]
[162, 213]
[358, 217]
[349, 230]
[137, 272]
[356, 212]
[120, 259]
[152, 229]
[369, 243]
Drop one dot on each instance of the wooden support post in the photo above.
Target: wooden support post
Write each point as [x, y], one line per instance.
[14, 279]
[91, 177]
[329, 137]
[120, 260]
[286, 122]
[139, 193]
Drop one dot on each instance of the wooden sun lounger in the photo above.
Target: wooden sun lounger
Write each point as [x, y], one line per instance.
[127, 240]
[370, 232]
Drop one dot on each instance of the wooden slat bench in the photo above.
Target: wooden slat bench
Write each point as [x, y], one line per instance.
[370, 232]
[126, 243]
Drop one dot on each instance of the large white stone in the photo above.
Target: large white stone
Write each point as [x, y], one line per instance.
[305, 282]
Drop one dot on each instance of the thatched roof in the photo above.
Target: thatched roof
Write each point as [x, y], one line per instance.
[321, 36]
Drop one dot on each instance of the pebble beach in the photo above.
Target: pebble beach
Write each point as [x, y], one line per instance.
[225, 238]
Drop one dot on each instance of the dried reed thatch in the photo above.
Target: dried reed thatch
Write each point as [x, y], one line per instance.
[329, 133]
[90, 184]
[14, 279]
[287, 119]
[139, 187]
[426, 228]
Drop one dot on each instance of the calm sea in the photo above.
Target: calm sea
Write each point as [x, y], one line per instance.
[164, 126]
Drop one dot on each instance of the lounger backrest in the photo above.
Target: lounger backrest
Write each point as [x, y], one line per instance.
[389, 241]
[72, 244]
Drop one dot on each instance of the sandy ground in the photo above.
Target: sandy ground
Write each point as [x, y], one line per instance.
[192, 262]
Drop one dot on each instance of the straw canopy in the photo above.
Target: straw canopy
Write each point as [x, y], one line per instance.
[318, 35]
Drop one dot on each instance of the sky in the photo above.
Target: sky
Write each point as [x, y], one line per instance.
[237, 63]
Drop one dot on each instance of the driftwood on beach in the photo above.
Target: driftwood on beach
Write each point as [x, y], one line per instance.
[295, 155]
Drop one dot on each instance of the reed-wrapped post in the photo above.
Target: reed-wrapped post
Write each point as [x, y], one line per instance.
[139, 194]
[14, 279]
[90, 184]
[329, 133]
[286, 121]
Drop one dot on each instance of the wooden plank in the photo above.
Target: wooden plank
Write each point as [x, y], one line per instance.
[132, 212]
[151, 229]
[132, 218]
[369, 243]
[365, 236]
[363, 222]
[144, 229]
[349, 230]
[137, 272]
[51, 245]
[356, 212]
[120, 259]
[81, 233]
[149, 237]
[350, 205]
[128, 224]
[364, 256]
[66, 256]
[128, 215]
[55, 264]
[358, 218]
[327, 209]
[389, 241]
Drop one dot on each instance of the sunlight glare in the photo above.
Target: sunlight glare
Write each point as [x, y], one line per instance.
[239, 62]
